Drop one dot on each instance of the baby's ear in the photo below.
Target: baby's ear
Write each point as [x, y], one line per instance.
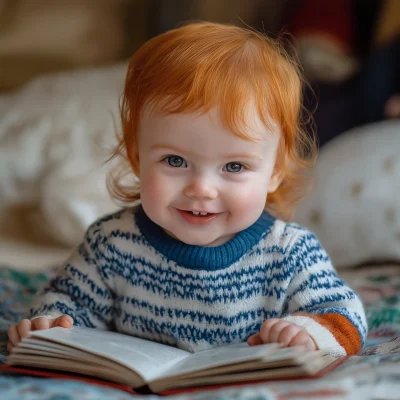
[276, 180]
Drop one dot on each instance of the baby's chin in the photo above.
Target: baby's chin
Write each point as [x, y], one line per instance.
[203, 240]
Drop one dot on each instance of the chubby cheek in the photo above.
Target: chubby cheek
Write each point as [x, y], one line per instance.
[248, 203]
[154, 192]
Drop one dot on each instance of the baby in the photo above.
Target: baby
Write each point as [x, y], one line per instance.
[211, 127]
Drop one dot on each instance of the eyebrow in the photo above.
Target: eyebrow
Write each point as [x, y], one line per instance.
[177, 149]
[167, 147]
[243, 155]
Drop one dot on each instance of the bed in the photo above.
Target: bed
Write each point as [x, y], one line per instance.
[374, 374]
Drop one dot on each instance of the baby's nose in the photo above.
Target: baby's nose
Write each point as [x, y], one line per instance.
[201, 189]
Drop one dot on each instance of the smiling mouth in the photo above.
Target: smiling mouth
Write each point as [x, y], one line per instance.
[199, 213]
[198, 217]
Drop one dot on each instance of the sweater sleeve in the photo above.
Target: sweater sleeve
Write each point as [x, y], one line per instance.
[318, 300]
[82, 288]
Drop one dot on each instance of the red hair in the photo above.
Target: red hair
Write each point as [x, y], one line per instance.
[202, 65]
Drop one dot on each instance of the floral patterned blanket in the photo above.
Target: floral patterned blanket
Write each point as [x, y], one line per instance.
[375, 374]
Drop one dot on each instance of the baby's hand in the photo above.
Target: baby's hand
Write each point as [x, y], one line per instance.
[276, 330]
[22, 329]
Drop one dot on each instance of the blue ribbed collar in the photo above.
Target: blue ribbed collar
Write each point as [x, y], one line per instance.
[200, 257]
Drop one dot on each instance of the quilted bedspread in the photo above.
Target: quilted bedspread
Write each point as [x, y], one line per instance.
[374, 374]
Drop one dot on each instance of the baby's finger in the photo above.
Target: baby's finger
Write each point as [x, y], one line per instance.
[24, 327]
[266, 327]
[303, 339]
[254, 340]
[288, 333]
[65, 321]
[40, 323]
[13, 335]
[276, 330]
[9, 347]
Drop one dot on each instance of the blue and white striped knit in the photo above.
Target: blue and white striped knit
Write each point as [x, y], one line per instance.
[129, 275]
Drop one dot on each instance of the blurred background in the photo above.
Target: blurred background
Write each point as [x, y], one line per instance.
[348, 48]
[61, 72]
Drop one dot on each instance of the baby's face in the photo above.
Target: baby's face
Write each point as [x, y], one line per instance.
[200, 182]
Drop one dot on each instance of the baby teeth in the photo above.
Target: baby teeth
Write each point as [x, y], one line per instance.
[198, 212]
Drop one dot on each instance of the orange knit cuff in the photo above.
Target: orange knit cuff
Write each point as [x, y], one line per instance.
[341, 328]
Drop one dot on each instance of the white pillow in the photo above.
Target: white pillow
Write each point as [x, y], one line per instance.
[355, 205]
[55, 134]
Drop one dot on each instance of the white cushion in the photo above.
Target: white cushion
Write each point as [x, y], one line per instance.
[355, 205]
[55, 134]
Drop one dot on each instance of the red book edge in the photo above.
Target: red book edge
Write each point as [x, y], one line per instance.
[83, 378]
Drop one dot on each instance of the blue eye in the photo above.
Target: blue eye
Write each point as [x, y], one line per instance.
[234, 167]
[175, 161]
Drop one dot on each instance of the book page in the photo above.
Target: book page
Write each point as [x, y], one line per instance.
[148, 359]
[122, 375]
[275, 360]
[53, 351]
[221, 355]
[294, 371]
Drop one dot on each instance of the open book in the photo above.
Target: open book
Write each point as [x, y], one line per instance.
[141, 363]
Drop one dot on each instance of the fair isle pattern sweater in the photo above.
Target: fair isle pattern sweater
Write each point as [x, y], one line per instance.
[129, 275]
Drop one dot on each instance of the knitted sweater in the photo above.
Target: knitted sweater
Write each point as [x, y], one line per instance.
[129, 275]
